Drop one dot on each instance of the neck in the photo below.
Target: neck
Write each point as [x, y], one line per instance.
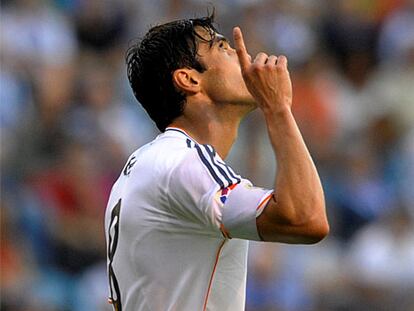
[216, 129]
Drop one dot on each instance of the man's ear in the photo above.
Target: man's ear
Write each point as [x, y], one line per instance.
[187, 80]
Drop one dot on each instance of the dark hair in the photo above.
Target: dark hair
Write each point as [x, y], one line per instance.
[151, 63]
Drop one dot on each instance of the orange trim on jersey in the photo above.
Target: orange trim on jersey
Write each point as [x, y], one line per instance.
[225, 232]
[212, 274]
[264, 201]
[231, 187]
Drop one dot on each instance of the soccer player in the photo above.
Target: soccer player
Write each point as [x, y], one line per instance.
[179, 218]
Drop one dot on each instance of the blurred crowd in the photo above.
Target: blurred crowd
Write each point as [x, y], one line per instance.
[68, 122]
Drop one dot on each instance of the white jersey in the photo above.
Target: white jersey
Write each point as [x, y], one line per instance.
[177, 224]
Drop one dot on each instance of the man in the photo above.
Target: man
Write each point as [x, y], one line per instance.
[178, 218]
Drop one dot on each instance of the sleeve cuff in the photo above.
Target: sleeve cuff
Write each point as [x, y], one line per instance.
[242, 206]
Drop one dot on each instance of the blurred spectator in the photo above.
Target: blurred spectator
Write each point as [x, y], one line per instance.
[393, 94]
[44, 36]
[381, 272]
[396, 41]
[45, 48]
[100, 25]
[349, 32]
[276, 279]
[312, 105]
[92, 289]
[41, 138]
[15, 262]
[101, 28]
[407, 179]
[286, 22]
[65, 190]
[38, 49]
[365, 195]
[101, 119]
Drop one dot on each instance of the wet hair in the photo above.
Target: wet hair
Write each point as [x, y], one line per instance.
[152, 62]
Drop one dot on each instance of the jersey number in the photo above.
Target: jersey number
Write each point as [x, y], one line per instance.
[113, 233]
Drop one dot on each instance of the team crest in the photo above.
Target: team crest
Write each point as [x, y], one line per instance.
[224, 193]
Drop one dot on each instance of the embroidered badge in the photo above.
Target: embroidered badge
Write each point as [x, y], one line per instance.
[224, 193]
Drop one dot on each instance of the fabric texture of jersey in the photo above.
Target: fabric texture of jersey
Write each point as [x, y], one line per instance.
[177, 224]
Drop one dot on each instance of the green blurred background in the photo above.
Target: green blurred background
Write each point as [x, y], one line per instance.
[68, 122]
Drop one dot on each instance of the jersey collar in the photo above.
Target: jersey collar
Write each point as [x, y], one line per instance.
[172, 129]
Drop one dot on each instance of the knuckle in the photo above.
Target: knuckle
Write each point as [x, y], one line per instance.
[280, 71]
[257, 67]
[247, 72]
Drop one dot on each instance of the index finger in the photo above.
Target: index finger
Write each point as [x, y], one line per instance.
[241, 50]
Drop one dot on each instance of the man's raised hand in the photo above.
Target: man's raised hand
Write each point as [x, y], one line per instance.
[267, 77]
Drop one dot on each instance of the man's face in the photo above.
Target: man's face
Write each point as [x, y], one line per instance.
[222, 81]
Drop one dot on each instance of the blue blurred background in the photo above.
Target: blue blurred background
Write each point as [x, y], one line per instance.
[68, 121]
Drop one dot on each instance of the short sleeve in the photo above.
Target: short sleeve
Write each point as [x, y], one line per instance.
[243, 205]
[207, 196]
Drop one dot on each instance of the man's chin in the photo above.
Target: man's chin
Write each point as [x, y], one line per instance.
[249, 102]
[248, 105]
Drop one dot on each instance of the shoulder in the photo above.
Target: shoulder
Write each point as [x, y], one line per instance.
[201, 164]
[178, 156]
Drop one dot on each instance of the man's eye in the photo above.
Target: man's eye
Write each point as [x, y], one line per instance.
[222, 44]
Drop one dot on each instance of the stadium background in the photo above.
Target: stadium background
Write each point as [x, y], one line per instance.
[69, 121]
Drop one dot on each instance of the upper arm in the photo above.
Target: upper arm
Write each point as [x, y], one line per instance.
[274, 225]
[208, 196]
